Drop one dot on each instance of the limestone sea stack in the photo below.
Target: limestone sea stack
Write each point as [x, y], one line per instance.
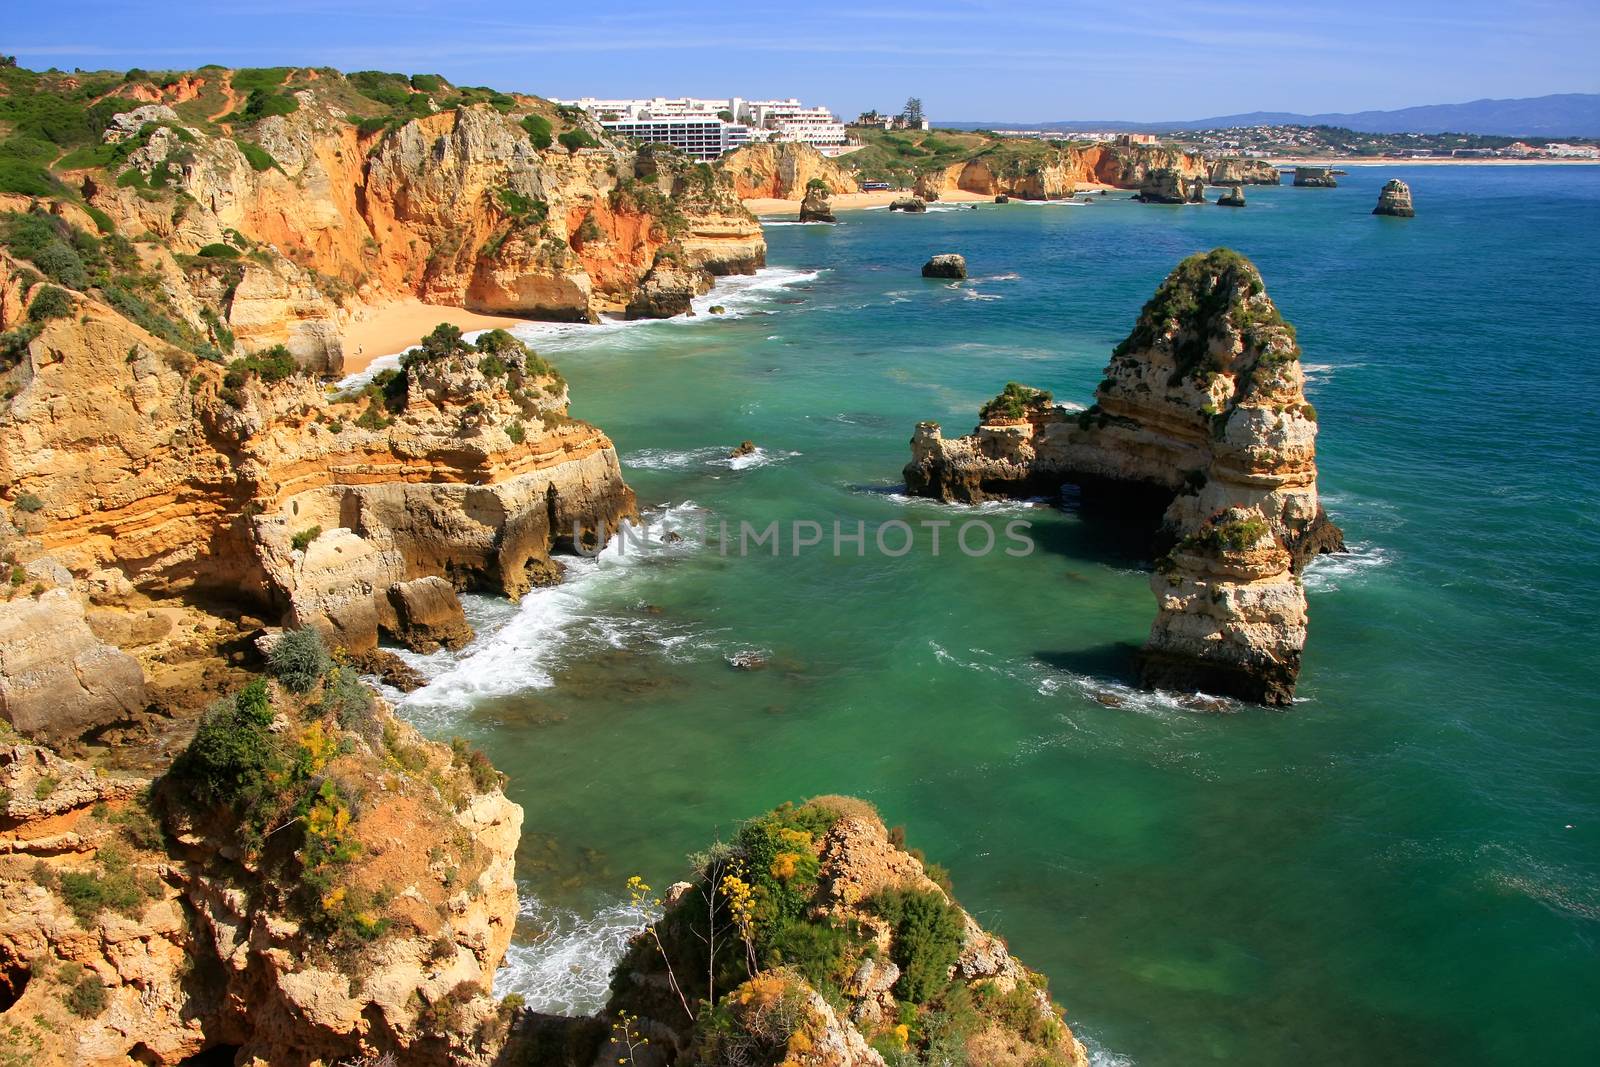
[1171, 186]
[1201, 418]
[1316, 177]
[816, 207]
[1395, 200]
[910, 204]
[945, 265]
[1244, 172]
[1232, 196]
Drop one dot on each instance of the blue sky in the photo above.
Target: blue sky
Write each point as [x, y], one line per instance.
[967, 59]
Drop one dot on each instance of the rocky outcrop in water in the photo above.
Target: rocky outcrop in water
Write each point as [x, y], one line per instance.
[1232, 196]
[910, 204]
[1316, 177]
[816, 207]
[945, 265]
[1395, 200]
[1201, 418]
[669, 290]
[891, 955]
[1171, 187]
[1244, 172]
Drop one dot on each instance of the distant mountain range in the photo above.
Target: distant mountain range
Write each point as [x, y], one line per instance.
[1554, 116]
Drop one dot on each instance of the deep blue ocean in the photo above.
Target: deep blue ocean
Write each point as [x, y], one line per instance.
[1403, 868]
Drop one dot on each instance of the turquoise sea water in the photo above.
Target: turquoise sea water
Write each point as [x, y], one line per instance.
[1403, 868]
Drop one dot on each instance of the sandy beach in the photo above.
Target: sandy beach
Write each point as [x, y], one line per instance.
[396, 327]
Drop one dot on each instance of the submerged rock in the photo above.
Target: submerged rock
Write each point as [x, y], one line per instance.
[744, 448]
[912, 204]
[1395, 200]
[748, 659]
[945, 265]
[1202, 420]
[668, 290]
[430, 615]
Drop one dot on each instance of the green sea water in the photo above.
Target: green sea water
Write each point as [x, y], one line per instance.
[1402, 868]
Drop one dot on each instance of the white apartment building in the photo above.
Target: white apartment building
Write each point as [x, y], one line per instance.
[706, 128]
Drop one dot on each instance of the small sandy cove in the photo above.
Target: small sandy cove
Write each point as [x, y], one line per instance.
[395, 327]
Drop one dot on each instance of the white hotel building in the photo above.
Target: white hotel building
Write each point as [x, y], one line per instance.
[697, 128]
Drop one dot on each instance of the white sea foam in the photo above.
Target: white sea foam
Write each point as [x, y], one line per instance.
[1332, 571]
[565, 969]
[665, 459]
[520, 651]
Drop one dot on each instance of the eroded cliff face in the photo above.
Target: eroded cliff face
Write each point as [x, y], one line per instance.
[1244, 172]
[1054, 171]
[782, 170]
[371, 925]
[1203, 412]
[906, 969]
[156, 483]
[458, 207]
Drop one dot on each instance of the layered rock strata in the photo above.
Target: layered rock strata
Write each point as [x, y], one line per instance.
[783, 170]
[157, 479]
[1395, 200]
[1054, 171]
[1244, 172]
[816, 206]
[1202, 413]
[1316, 177]
[121, 944]
[1170, 186]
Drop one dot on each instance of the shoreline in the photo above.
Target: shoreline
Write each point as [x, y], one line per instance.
[1392, 161]
[765, 205]
[401, 324]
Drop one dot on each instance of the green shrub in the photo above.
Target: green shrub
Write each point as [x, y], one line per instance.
[218, 250]
[232, 754]
[539, 130]
[88, 998]
[1013, 402]
[573, 140]
[50, 303]
[346, 697]
[303, 539]
[427, 83]
[927, 939]
[525, 209]
[112, 886]
[516, 431]
[273, 365]
[251, 79]
[102, 221]
[29, 503]
[299, 659]
[258, 158]
[263, 103]
[491, 366]
[483, 773]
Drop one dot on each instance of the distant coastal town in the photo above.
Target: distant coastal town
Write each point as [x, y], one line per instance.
[708, 128]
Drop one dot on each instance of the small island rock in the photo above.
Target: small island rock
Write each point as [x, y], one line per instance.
[945, 265]
[1395, 200]
[1232, 196]
[912, 204]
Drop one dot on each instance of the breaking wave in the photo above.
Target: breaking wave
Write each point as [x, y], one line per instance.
[563, 967]
[1332, 571]
[665, 459]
